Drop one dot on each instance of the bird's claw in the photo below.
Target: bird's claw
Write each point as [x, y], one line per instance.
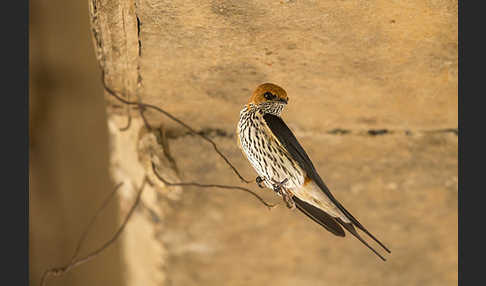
[287, 196]
[259, 182]
[288, 200]
[277, 187]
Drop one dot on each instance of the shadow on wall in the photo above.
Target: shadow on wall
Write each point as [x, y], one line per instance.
[68, 148]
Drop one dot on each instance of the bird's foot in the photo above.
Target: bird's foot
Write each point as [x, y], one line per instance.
[259, 182]
[287, 196]
[277, 187]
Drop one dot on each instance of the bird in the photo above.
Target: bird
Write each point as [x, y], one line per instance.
[283, 165]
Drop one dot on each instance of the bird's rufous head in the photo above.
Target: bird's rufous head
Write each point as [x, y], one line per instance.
[268, 93]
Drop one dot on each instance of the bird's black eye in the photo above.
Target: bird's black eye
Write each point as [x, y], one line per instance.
[269, 96]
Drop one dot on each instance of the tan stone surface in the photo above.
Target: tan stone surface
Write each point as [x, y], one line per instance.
[69, 152]
[402, 188]
[348, 64]
[351, 65]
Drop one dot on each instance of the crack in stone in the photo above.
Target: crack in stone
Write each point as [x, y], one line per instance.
[376, 132]
[445, 130]
[139, 27]
[207, 131]
[221, 133]
[338, 131]
[93, 11]
[382, 132]
[139, 24]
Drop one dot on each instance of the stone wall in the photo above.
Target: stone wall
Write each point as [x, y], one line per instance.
[373, 100]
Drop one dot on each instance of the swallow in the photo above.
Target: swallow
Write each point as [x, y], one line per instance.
[283, 166]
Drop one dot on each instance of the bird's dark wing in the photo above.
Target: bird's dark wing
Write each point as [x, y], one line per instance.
[285, 136]
[319, 216]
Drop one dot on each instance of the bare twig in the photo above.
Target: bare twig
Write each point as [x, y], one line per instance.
[145, 121]
[149, 127]
[74, 262]
[93, 219]
[59, 271]
[172, 117]
[129, 121]
[269, 206]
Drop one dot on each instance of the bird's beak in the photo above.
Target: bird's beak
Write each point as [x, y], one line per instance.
[284, 101]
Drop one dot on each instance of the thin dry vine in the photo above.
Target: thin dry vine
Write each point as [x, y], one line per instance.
[74, 262]
[59, 271]
[142, 106]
